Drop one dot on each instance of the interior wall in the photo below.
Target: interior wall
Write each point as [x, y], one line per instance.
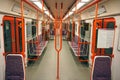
[116, 59]
[2, 59]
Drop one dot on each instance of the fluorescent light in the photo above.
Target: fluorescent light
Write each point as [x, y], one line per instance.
[79, 5]
[70, 13]
[73, 9]
[33, 0]
[46, 12]
[39, 4]
[65, 17]
[85, 0]
[51, 17]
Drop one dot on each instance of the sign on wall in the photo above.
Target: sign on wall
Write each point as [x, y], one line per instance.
[105, 38]
[101, 10]
[16, 8]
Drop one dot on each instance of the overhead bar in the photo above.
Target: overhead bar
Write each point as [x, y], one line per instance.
[88, 5]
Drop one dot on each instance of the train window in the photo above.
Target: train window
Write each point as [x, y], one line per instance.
[86, 26]
[29, 30]
[70, 27]
[75, 27]
[33, 29]
[82, 32]
[110, 25]
[20, 34]
[7, 36]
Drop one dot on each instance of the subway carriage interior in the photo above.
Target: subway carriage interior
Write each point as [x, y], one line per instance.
[59, 40]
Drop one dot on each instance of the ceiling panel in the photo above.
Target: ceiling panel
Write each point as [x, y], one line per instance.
[67, 4]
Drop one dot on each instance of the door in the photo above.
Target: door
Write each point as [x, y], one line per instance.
[12, 34]
[9, 35]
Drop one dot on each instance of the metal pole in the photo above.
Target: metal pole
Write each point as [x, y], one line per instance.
[23, 29]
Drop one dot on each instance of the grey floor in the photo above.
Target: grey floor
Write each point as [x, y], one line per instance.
[45, 67]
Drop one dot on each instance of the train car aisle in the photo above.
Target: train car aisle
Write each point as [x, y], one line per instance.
[45, 67]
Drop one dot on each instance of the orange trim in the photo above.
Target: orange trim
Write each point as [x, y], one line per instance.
[17, 34]
[43, 6]
[23, 30]
[81, 60]
[34, 59]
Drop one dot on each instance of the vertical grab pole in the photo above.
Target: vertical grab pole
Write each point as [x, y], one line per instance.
[37, 24]
[23, 32]
[37, 38]
[23, 29]
[94, 33]
[55, 26]
[79, 40]
[43, 35]
[60, 45]
[94, 38]
[58, 38]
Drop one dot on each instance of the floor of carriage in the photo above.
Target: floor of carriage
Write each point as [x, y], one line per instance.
[45, 67]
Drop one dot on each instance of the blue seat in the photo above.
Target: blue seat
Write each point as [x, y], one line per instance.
[14, 67]
[101, 68]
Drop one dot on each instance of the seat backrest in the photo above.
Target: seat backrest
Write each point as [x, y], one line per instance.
[14, 67]
[101, 68]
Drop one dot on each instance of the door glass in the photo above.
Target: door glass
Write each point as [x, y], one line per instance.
[7, 36]
[20, 34]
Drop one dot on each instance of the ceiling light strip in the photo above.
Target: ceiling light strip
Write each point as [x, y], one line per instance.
[77, 6]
